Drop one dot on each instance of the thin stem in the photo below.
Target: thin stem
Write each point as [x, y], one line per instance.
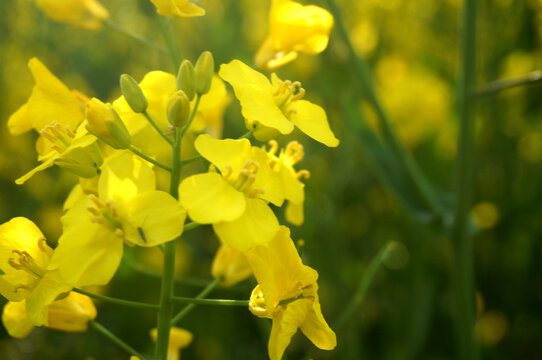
[219, 302]
[192, 115]
[169, 37]
[191, 226]
[108, 334]
[365, 281]
[149, 159]
[201, 295]
[116, 301]
[494, 87]
[462, 271]
[151, 121]
[362, 73]
[246, 135]
[118, 27]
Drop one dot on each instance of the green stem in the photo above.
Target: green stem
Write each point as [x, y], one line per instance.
[151, 121]
[108, 334]
[149, 159]
[116, 301]
[201, 295]
[365, 281]
[169, 37]
[219, 302]
[494, 87]
[118, 27]
[191, 226]
[362, 73]
[192, 115]
[246, 135]
[462, 270]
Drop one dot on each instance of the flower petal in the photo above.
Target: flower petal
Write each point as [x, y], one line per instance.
[257, 225]
[317, 330]
[285, 325]
[312, 120]
[223, 153]
[209, 199]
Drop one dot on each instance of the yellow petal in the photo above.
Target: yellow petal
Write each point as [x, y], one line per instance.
[294, 213]
[43, 295]
[209, 199]
[86, 14]
[15, 320]
[312, 120]
[124, 176]
[223, 153]
[179, 8]
[317, 330]
[152, 218]
[18, 122]
[71, 313]
[257, 225]
[231, 265]
[267, 179]
[285, 325]
[238, 74]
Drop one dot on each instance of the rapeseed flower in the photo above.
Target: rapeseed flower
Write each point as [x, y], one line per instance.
[293, 29]
[86, 14]
[287, 293]
[178, 8]
[273, 107]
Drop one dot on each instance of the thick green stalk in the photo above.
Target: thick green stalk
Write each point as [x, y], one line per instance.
[218, 302]
[463, 278]
[108, 334]
[118, 27]
[362, 73]
[169, 37]
[116, 301]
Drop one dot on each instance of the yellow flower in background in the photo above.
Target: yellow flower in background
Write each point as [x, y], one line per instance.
[178, 8]
[231, 265]
[210, 114]
[293, 29]
[294, 190]
[50, 101]
[287, 293]
[273, 107]
[127, 209]
[235, 201]
[71, 314]
[178, 339]
[86, 14]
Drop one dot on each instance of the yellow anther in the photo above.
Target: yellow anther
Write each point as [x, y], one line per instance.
[93, 210]
[303, 174]
[299, 95]
[255, 192]
[294, 152]
[21, 287]
[26, 262]
[251, 166]
[97, 201]
[119, 232]
[290, 112]
[273, 147]
[112, 208]
[227, 172]
[42, 245]
[97, 220]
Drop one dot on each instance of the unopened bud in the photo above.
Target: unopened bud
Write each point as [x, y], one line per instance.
[133, 94]
[105, 123]
[178, 109]
[185, 79]
[71, 313]
[204, 71]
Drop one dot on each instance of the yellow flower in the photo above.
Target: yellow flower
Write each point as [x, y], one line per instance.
[71, 314]
[87, 14]
[127, 209]
[235, 201]
[293, 28]
[178, 339]
[294, 190]
[179, 8]
[24, 260]
[273, 107]
[50, 101]
[231, 265]
[287, 293]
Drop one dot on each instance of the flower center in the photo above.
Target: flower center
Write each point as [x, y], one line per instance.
[22, 260]
[290, 156]
[59, 136]
[286, 93]
[105, 214]
[245, 179]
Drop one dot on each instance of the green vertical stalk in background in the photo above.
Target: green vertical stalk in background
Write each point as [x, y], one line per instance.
[463, 277]
[169, 37]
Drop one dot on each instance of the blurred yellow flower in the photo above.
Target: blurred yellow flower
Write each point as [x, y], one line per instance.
[293, 28]
[178, 339]
[231, 265]
[86, 14]
[273, 107]
[287, 293]
[178, 8]
[71, 314]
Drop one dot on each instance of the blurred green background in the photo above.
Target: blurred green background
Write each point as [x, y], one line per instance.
[412, 47]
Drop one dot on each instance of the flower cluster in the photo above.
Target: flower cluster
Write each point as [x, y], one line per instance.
[128, 155]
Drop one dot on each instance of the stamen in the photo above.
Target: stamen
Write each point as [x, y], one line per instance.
[255, 192]
[299, 95]
[97, 201]
[119, 232]
[97, 220]
[56, 148]
[93, 210]
[273, 147]
[42, 245]
[111, 206]
[290, 112]
[303, 174]
[227, 172]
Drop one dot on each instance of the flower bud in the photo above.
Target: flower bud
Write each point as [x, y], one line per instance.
[178, 109]
[133, 94]
[105, 123]
[204, 71]
[185, 79]
[71, 313]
